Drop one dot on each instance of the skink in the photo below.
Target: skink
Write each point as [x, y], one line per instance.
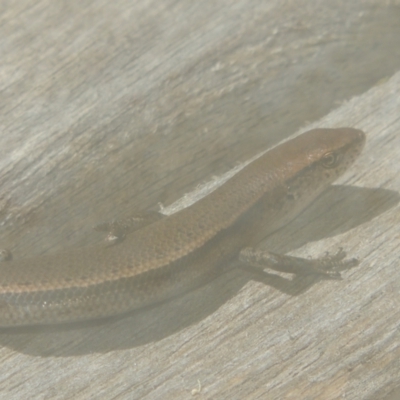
[181, 251]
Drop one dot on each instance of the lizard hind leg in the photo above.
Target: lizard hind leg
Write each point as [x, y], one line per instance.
[117, 229]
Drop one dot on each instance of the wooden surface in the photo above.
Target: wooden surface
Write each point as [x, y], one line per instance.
[111, 107]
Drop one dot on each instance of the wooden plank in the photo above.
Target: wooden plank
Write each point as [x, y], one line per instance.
[109, 107]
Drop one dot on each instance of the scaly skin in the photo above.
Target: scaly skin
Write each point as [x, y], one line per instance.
[184, 250]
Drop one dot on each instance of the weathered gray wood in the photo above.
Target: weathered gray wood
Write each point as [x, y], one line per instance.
[110, 107]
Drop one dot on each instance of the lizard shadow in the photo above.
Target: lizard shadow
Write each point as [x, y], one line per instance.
[338, 210]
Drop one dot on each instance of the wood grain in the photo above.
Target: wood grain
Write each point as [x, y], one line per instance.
[111, 107]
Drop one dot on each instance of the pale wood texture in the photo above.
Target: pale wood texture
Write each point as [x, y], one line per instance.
[110, 107]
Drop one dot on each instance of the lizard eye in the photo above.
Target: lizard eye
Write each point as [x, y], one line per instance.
[330, 160]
